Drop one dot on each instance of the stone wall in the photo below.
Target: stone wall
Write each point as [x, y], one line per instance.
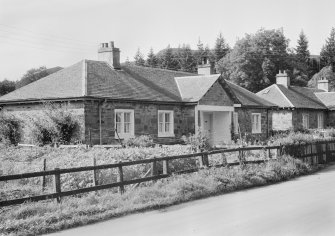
[313, 118]
[27, 111]
[146, 120]
[331, 119]
[245, 123]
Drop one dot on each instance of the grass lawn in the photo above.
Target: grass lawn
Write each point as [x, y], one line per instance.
[48, 216]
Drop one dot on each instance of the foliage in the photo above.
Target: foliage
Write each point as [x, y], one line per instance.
[140, 141]
[328, 51]
[10, 129]
[55, 125]
[186, 59]
[256, 59]
[325, 73]
[139, 59]
[152, 60]
[221, 48]
[48, 216]
[198, 142]
[302, 52]
[6, 86]
[168, 60]
[298, 137]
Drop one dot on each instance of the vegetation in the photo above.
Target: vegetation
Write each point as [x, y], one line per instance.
[48, 216]
[6, 86]
[328, 51]
[10, 129]
[140, 141]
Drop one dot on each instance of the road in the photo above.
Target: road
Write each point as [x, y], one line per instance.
[303, 206]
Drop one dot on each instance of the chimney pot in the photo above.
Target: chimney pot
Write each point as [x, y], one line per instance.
[108, 53]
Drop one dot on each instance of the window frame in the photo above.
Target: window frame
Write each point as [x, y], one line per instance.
[163, 133]
[256, 128]
[306, 116]
[131, 122]
[320, 120]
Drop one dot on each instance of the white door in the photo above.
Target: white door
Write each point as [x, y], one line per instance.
[208, 125]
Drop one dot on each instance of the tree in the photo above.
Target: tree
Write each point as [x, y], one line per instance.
[186, 59]
[200, 52]
[139, 60]
[302, 52]
[168, 59]
[256, 59]
[152, 60]
[327, 73]
[328, 51]
[221, 48]
[32, 75]
[6, 86]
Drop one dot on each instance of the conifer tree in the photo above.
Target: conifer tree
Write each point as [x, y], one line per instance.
[152, 60]
[328, 51]
[139, 59]
[302, 52]
[221, 48]
[186, 59]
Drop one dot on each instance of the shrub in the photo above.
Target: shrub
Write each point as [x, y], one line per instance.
[10, 129]
[55, 125]
[140, 141]
[198, 142]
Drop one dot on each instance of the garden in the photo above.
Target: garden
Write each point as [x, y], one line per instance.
[33, 218]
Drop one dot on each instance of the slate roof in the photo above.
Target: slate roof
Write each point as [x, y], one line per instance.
[327, 98]
[247, 98]
[98, 79]
[293, 96]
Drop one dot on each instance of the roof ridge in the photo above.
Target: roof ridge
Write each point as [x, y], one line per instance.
[317, 102]
[162, 69]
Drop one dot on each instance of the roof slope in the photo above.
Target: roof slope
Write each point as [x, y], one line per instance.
[248, 98]
[293, 96]
[327, 98]
[61, 84]
[193, 88]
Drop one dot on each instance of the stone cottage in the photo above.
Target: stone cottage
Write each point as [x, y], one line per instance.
[124, 100]
[298, 107]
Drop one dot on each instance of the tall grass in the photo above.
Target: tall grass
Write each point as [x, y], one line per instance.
[48, 216]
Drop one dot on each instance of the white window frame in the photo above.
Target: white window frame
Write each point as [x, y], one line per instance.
[165, 133]
[256, 125]
[305, 120]
[320, 121]
[131, 132]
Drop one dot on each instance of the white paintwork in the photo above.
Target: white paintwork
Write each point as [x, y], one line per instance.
[215, 108]
[217, 125]
[282, 120]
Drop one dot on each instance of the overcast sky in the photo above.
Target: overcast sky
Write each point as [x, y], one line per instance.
[62, 32]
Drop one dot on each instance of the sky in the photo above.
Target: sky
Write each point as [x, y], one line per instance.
[51, 33]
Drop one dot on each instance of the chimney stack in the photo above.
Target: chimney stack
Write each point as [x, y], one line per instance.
[283, 79]
[206, 68]
[323, 84]
[108, 53]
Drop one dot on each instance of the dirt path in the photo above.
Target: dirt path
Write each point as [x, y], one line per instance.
[304, 206]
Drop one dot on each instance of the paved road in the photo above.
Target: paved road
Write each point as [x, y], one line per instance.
[304, 206]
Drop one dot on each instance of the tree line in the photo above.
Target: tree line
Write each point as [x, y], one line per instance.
[254, 60]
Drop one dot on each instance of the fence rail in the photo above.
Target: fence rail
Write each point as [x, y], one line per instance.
[320, 152]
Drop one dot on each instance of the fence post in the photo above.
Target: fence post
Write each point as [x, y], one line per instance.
[90, 136]
[120, 178]
[166, 170]
[43, 177]
[154, 167]
[57, 184]
[95, 172]
[205, 161]
[327, 152]
[241, 156]
[269, 154]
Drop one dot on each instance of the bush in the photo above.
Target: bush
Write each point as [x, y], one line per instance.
[56, 125]
[140, 141]
[198, 142]
[10, 129]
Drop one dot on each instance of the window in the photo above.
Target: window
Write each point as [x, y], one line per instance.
[124, 123]
[165, 124]
[235, 122]
[305, 121]
[256, 123]
[320, 121]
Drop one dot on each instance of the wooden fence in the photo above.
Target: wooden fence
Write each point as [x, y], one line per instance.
[319, 152]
